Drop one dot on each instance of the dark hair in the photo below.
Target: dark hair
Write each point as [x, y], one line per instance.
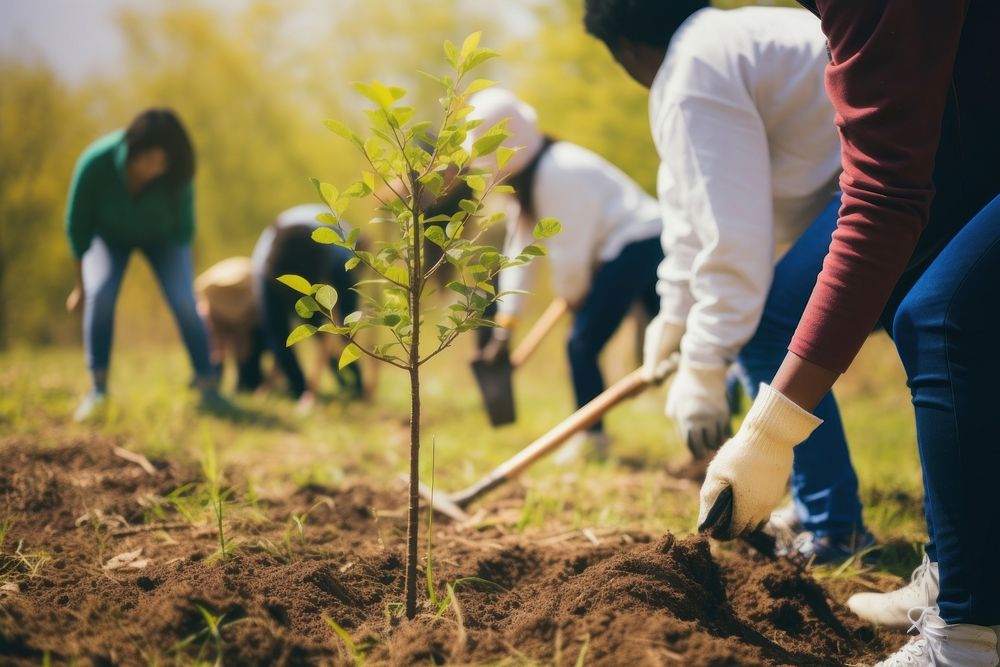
[161, 128]
[650, 22]
[524, 180]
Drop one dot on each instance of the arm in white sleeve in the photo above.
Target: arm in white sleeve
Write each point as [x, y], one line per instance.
[574, 199]
[718, 222]
[523, 277]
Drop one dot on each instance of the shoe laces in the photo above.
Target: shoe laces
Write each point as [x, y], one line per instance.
[922, 576]
[920, 647]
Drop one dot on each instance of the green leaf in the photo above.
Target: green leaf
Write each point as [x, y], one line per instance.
[297, 283]
[333, 329]
[477, 85]
[504, 189]
[306, 307]
[342, 130]
[368, 178]
[300, 332]
[402, 115]
[476, 182]
[451, 53]
[397, 274]
[534, 250]
[379, 93]
[469, 45]
[547, 228]
[329, 193]
[326, 296]
[392, 319]
[353, 317]
[433, 182]
[504, 154]
[326, 235]
[479, 57]
[433, 77]
[489, 142]
[456, 286]
[351, 263]
[350, 354]
[490, 259]
[352, 236]
[327, 219]
[436, 236]
[492, 220]
[470, 206]
[454, 228]
[459, 157]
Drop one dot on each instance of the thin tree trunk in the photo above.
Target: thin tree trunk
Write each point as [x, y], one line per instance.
[413, 520]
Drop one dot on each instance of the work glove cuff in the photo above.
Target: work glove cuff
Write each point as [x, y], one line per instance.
[775, 422]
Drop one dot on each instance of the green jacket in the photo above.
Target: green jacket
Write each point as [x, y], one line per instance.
[101, 205]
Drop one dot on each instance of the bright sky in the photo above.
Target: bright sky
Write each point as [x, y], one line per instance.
[76, 36]
[79, 37]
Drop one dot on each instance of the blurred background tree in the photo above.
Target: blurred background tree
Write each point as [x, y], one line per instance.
[253, 81]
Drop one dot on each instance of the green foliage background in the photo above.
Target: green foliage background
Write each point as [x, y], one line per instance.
[253, 88]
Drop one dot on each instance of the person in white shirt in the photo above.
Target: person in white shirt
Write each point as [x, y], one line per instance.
[750, 158]
[602, 262]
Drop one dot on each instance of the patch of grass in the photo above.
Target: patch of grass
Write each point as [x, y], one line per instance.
[358, 651]
[345, 443]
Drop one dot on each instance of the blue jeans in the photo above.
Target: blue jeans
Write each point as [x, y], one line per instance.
[103, 269]
[946, 330]
[824, 485]
[629, 277]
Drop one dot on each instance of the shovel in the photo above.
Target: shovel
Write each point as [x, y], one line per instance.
[453, 505]
[494, 377]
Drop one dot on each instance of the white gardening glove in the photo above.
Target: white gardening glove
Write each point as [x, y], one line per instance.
[747, 478]
[698, 404]
[662, 339]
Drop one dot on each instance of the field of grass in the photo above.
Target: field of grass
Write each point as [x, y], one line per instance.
[243, 484]
[340, 444]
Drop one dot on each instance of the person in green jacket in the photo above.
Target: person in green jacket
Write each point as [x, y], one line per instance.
[132, 190]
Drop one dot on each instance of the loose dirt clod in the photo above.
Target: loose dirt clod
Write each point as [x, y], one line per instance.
[639, 601]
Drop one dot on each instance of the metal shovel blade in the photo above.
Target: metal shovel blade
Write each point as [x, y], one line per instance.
[494, 380]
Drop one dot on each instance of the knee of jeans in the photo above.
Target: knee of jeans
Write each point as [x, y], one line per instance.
[101, 299]
[914, 323]
[579, 347]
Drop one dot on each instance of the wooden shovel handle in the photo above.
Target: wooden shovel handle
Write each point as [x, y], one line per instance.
[538, 331]
[588, 415]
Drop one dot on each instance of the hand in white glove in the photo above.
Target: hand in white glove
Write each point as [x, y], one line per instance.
[698, 404]
[662, 339]
[747, 478]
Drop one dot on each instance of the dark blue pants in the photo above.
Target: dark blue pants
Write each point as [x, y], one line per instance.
[277, 310]
[946, 329]
[824, 485]
[617, 284]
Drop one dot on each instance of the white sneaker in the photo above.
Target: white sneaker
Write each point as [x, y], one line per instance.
[943, 645]
[589, 445]
[890, 610]
[93, 407]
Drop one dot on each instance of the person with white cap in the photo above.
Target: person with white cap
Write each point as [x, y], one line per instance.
[602, 262]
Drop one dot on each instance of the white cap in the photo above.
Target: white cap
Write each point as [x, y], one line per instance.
[492, 106]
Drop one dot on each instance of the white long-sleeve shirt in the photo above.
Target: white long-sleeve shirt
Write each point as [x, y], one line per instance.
[601, 211]
[749, 156]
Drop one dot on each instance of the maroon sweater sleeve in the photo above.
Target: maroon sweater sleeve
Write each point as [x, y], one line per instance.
[891, 67]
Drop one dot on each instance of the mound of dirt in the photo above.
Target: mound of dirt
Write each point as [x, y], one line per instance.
[630, 599]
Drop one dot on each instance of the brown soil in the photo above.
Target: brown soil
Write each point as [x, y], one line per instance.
[628, 599]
